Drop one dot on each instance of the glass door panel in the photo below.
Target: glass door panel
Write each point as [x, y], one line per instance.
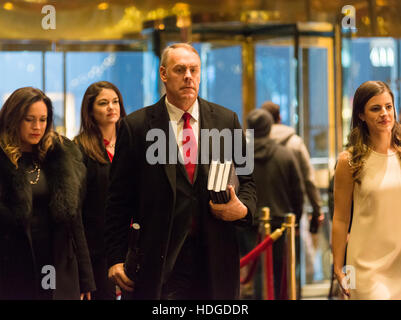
[315, 101]
[54, 87]
[275, 74]
[221, 78]
[365, 59]
[24, 69]
[317, 127]
[124, 69]
[64, 71]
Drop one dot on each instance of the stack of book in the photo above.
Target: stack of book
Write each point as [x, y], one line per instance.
[220, 176]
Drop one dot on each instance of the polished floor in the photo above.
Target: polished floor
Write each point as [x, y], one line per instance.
[316, 291]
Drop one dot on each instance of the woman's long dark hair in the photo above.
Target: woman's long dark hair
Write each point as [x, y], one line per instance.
[90, 137]
[11, 115]
[359, 138]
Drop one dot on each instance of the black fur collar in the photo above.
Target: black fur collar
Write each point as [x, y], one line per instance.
[65, 175]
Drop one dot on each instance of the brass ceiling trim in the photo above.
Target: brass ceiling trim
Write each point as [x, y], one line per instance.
[117, 19]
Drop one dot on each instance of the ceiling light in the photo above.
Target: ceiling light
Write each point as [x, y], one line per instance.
[8, 6]
[103, 6]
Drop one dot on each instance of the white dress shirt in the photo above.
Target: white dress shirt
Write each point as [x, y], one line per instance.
[177, 122]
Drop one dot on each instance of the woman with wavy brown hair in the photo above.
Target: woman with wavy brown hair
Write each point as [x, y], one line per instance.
[43, 250]
[368, 175]
[101, 110]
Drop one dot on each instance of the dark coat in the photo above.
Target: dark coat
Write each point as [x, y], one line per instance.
[94, 204]
[147, 193]
[93, 215]
[65, 176]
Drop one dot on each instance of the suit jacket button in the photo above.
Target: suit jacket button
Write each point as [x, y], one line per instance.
[161, 257]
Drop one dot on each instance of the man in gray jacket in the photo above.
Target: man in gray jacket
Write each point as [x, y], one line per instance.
[278, 186]
[286, 136]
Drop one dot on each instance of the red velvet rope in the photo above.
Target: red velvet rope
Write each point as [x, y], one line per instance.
[252, 255]
[251, 272]
[253, 267]
[256, 251]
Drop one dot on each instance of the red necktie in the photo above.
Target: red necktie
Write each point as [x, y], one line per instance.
[189, 147]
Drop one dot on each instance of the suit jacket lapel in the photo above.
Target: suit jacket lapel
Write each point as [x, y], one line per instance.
[159, 119]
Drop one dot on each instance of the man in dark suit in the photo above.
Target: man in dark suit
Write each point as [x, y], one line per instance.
[186, 247]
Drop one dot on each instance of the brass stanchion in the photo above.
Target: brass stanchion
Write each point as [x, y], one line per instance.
[266, 231]
[290, 239]
[266, 220]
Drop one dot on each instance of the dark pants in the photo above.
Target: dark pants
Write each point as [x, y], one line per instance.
[188, 280]
[105, 289]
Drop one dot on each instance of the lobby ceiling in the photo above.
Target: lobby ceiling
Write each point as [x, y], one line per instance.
[119, 19]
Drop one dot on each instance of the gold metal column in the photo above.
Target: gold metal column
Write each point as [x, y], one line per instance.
[266, 231]
[338, 90]
[331, 96]
[248, 77]
[291, 257]
[266, 220]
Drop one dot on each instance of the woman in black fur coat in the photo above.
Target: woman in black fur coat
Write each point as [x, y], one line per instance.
[101, 110]
[43, 249]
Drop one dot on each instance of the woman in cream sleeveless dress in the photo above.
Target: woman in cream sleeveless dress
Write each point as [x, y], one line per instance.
[374, 245]
[368, 175]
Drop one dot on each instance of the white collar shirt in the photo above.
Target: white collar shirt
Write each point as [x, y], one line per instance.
[177, 122]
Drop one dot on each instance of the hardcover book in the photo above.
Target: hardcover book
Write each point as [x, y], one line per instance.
[220, 176]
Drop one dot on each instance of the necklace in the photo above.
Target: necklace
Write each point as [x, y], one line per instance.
[36, 170]
[109, 144]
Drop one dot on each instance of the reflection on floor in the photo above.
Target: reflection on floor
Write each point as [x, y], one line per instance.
[316, 291]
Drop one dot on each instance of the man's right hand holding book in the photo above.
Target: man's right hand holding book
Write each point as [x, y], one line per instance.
[230, 211]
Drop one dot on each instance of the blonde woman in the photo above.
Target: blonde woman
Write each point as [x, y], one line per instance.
[368, 174]
[43, 250]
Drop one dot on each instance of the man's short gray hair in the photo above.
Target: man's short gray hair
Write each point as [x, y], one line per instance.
[167, 50]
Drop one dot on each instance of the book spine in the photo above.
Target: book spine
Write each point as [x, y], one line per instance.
[227, 195]
[212, 195]
[219, 197]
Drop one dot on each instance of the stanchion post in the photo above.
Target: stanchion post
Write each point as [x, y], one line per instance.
[290, 239]
[265, 219]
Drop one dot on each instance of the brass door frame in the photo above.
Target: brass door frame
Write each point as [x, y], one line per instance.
[324, 43]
